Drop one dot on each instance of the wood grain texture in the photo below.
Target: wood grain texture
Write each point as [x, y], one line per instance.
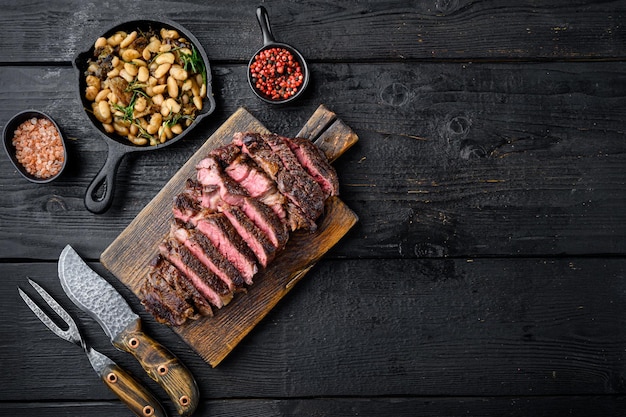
[485, 276]
[214, 337]
[575, 406]
[453, 159]
[339, 31]
[369, 328]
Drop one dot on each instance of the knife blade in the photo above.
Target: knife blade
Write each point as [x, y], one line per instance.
[94, 295]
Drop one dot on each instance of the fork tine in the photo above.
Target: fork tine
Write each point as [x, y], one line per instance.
[71, 334]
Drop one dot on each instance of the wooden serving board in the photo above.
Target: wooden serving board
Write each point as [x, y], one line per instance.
[214, 337]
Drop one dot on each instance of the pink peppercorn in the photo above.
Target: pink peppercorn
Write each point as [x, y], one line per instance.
[276, 73]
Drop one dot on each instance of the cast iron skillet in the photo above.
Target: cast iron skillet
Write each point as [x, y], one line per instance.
[119, 146]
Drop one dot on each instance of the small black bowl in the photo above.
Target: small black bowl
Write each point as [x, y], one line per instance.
[268, 43]
[9, 133]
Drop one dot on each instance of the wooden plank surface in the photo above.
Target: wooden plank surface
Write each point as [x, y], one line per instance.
[595, 406]
[427, 328]
[397, 31]
[214, 337]
[483, 159]
[485, 276]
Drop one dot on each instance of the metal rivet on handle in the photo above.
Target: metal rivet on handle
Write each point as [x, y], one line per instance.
[148, 411]
[112, 378]
[184, 400]
[134, 342]
[162, 370]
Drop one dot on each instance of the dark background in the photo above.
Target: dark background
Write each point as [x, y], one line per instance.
[486, 276]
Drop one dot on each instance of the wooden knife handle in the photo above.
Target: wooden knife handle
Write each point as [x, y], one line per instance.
[131, 392]
[162, 366]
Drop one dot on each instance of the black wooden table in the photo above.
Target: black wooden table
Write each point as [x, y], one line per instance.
[487, 273]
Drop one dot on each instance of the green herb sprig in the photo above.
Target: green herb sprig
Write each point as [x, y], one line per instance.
[194, 62]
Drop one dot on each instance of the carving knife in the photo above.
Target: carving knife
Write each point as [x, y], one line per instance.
[94, 295]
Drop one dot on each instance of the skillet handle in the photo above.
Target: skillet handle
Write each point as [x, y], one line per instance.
[266, 28]
[105, 181]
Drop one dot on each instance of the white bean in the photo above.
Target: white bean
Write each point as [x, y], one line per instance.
[139, 62]
[120, 129]
[129, 39]
[102, 95]
[103, 112]
[154, 46]
[91, 93]
[179, 73]
[169, 34]
[145, 54]
[138, 141]
[92, 80]
[100, 43]
[170, 106]
[116, 39]
[167, 57]
[172, 87]
[130, 54]
[131, 69]
[155, 122]
[143, 74]
[158, 100]
[125, 75]
[177, 129]
[187, 85]
[162, 70]
[140, 104]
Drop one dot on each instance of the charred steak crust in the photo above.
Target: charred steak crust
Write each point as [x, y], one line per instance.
[211, 174]
[164, 302]
[279, 163]
[314, 161]
[237, 211]
[203, 249]
[305, 182]
[185, 289]
[217, 228]
[207, 283]
[258, 185]
[226, 154]
[258, 242]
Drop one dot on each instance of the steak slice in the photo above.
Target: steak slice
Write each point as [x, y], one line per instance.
[273, 155]
[206, 282]
[314, 161]
[305, 187]
[207, 197]
[255, 147]
[203, 249]
[164, 303]
[220, 231]
[163, 268]
[226, 154]
[248, 175]
[243, 170]
[210, 174]
[256, 240]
